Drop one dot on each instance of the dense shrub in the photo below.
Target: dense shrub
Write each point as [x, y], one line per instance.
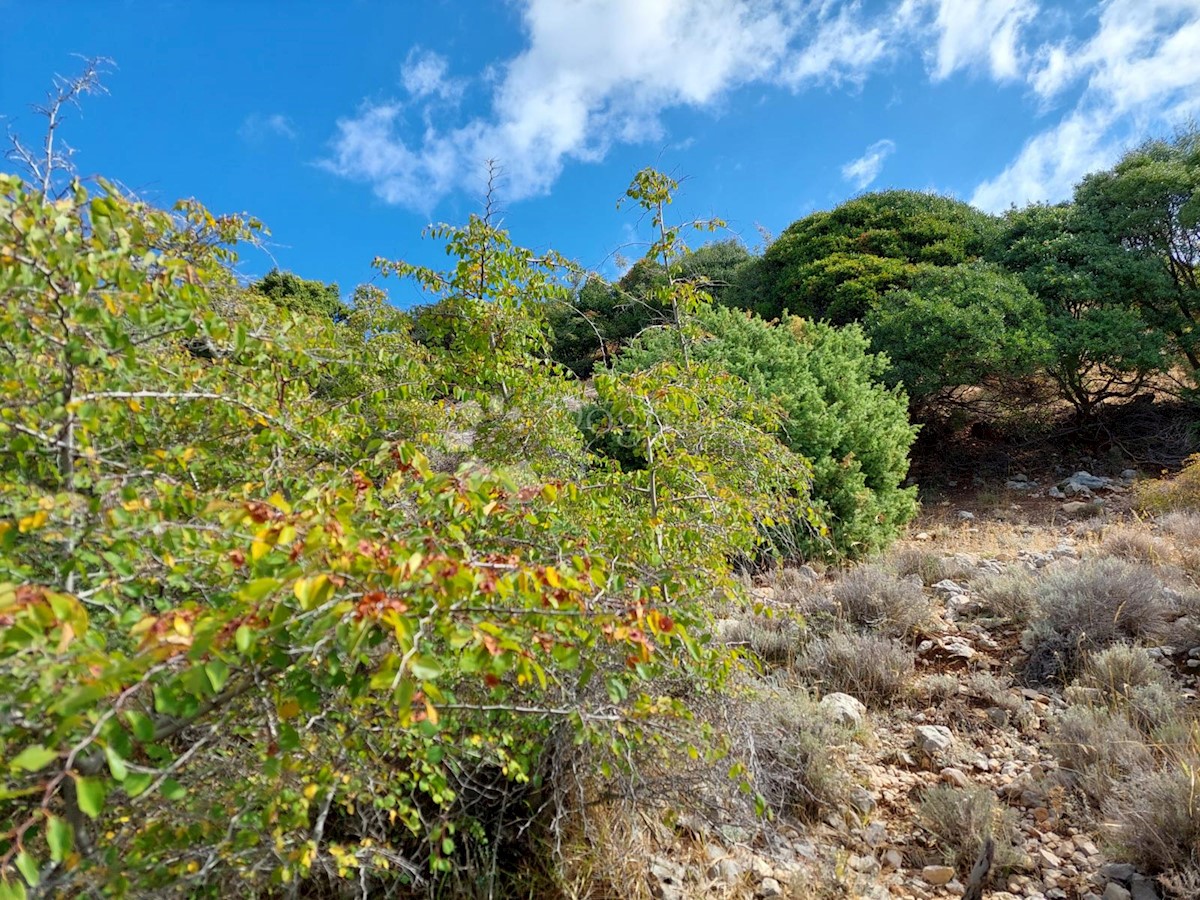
[1088, 607]
[854, 431]
[958, 327]
[1090, 287]
[837, 264]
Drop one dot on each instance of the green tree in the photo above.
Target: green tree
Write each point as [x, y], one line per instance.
[315, 298]
[591, 327]
[835, 265]
[958, 327]
[1149, 202]
[838, 416]
[1092, 290]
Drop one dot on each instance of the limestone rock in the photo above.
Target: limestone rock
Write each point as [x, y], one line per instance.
[933, 739]
[844, 709]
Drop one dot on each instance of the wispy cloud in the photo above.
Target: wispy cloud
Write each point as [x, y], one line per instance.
[1141, 75]
[862, 171]
[258, 127]
[596, 73]
[972, 34]
[424, 76]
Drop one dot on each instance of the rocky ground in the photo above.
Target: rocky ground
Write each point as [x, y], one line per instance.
[973, 728]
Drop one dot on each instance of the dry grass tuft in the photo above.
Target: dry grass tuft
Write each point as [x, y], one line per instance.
[1012, 595]
[1158, 824]
[1097, 749]
[963, 819]
[790, 756]
[870, 596]
[874, 669]
[774, 639]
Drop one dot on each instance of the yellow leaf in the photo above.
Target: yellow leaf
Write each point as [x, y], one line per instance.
[312, 592]
[552, 578]
[135, 405]
[310, 791]
[183, 627]
[289, 710]
[34, 522]
[259, 548]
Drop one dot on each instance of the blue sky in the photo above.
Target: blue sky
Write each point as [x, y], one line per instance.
[349, 126]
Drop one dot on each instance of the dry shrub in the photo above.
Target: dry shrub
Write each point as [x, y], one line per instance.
[1134, 544]
[1127, 679]
[872, 597]
[789, 755]
[1181, 492]
[1117, 670]
[938, 688]
[1012, 595]
[1097, 748]
[774, 639]
[962, 819]
[1182, 530]
[1158, 824]
[1093, 605]
[873, 669]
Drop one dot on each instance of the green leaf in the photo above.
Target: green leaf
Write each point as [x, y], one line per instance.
[136, 783]
[33, 758]
[172, 789]
[218, 673]
[116, 765]
[12, 890]
[244, 638]
[29, 868]
[90, 794]
[141, 725]
[425, 668]
[60, 837]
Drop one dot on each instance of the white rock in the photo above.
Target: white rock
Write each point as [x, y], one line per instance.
[844, 709]
[933, 739]
[946, 586]
[770, 888]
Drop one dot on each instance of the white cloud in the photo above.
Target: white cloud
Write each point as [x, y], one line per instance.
[862, 171]
[971, 33]
[598, 73]
[257, 127]
[424, 76]
[595, 73]
[1141, 75]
